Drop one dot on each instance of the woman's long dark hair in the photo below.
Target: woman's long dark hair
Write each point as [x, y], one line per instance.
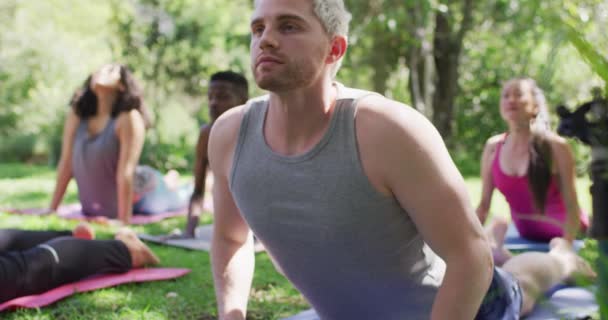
[540, 162]
[84, 101]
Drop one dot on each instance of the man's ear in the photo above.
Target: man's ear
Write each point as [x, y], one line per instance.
[338, 49]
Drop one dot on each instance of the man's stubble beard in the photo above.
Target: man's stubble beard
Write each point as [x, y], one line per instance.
[292, 77]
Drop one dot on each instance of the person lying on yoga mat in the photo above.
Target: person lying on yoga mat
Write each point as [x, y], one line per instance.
[103, 137]
[353, 195]
[227, 89]
[33, 262]
[532, 167]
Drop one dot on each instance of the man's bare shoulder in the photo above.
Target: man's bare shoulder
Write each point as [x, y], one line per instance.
[390, 119]
[228, 123]
[223, 137]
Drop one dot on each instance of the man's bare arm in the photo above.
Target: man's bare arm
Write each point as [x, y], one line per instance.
[404, 155]
[195, 207]
[232, 257]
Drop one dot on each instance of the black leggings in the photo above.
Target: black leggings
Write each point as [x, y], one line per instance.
[33, 262]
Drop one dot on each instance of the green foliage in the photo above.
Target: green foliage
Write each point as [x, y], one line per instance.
[40, 45]
[175, 51]
[17, 148]
[173, 46]
[596, 60]
[514, 41]
[176, 154]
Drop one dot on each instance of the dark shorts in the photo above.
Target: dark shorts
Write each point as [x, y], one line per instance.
[503, 300]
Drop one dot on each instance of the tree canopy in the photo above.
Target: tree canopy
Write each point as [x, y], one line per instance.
[448, 59]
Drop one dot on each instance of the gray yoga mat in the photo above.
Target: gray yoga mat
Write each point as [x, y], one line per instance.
[568, 303]
[202, 242]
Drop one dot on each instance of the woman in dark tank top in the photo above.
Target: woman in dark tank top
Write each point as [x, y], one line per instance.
[103, 137]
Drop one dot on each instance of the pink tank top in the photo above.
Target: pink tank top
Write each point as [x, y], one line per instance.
[520, 199]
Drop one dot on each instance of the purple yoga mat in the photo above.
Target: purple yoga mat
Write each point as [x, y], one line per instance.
[74, 211]
[93, 283]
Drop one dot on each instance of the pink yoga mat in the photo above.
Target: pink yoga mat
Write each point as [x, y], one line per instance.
[74, 211]
[93, 283]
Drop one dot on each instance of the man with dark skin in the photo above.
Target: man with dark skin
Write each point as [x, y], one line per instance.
[227, 89]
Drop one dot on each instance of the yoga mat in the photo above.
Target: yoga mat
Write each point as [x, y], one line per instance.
[566, 303]
[74, 211]
[202, 242]
[513, 241]
[93, 283]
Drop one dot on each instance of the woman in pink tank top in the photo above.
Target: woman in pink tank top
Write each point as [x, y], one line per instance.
[532, 167]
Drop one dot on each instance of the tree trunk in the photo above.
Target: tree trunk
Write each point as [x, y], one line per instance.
[419, 56]
[421, 74]
[446, 62]
[447, 50]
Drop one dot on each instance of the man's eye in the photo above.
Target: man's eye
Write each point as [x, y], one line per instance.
[289, 27]
[257, 29]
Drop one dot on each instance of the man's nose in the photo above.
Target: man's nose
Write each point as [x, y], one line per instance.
[268, 39]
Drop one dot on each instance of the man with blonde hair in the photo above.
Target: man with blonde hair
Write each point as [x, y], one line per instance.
[353, 195]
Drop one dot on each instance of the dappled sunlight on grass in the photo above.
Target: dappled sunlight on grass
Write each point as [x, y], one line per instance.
[109, 303]
[32, 192]
[189, 297]
[35, 222]
[273, 294]
[110, 299]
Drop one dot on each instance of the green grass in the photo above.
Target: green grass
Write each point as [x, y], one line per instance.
[189, 297]
[192, 296]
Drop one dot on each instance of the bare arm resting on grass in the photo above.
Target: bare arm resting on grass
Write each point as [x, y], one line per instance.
[403, 155]
[201, 163]
[562, 153]
[130, 130]
[64, 169]
[232, 255]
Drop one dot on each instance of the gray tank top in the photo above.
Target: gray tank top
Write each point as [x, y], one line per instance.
[352, 252]
[94, 164]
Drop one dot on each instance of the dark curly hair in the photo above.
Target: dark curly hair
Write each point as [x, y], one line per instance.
[84, 100]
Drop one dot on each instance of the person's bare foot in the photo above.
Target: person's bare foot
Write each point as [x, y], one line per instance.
[172, 179]
[574, 265]
[501, 255]
[83, 231]
[499, 230]
[496, 233]
[141, 255]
